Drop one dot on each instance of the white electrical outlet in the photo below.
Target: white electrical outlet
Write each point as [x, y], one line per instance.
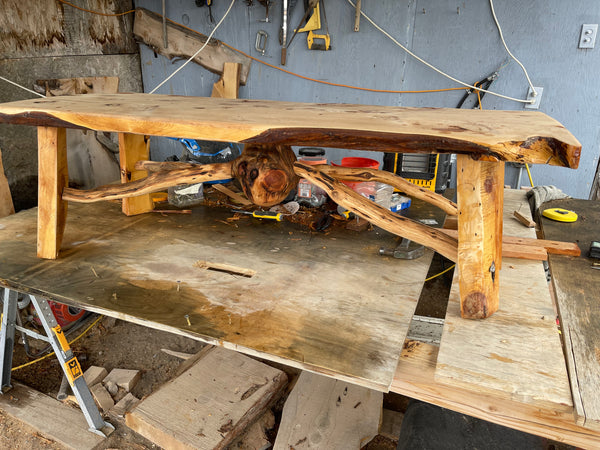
[587, 38]
[534, 98]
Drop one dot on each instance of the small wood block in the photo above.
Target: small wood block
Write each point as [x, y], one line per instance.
[6, 203]
[480, 195]
[524, 220]
[123, 378]
[102, 397]
[322, 412]
[210, 404]
[53, 177]
[228, 85]
[124, 405]
[134, 148]
[94, 375]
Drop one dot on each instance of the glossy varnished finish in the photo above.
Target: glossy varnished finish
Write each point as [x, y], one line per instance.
[523, 136]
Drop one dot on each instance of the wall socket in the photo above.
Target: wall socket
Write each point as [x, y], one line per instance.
[536, 99]
[587, 38]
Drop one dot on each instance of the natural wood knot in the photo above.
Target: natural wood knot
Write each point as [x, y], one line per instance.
[475, 306]
[275, 180]
[489, 185]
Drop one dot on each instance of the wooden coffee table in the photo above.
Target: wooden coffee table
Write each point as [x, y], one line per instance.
[482, 140]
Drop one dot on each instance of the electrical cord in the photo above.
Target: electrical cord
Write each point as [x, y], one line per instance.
[509, 52]
[22, 87]
[431, 66]
[50, 354]
[198, 52]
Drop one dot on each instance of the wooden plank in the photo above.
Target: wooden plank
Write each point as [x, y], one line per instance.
[228, 85]
[183, 44]
[531, 247]
[53, 177]
[523, 136]
[576, 286]
[515, 354]
[210, 404]
[133, 148]
[415, 378]
[6, 203]
[300, 309]
[325, 413]
[480, 190]
[49, 417]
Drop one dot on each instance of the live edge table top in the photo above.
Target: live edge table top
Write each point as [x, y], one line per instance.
[490, 135]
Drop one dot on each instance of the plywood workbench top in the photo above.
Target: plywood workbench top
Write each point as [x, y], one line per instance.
[523, 136]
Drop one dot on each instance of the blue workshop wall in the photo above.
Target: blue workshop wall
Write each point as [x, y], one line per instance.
[459, 37]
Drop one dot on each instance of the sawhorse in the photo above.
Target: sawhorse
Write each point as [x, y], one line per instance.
[56, 338]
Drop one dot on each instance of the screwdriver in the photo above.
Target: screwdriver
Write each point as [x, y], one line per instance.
[273, 215]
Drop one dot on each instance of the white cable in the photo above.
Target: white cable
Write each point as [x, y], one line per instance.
[22, 87]
[470, 86]
[198, 52]
[508, 51]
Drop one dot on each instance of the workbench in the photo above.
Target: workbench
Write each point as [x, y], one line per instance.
[482, 140]
[327, 303]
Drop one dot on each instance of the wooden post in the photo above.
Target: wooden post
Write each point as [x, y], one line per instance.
[53, 177]
[480, 193]
[228, 85]
[134, 148]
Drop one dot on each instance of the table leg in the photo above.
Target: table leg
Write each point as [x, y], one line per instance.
[134, 148]
[480, 193]
[53, 177]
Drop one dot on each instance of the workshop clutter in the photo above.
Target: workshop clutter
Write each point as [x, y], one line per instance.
[306, 192]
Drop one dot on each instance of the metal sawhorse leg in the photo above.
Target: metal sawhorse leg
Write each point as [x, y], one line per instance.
[57, 339]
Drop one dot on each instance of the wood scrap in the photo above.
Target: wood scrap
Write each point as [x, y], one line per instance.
[184, 43]
[228, 85]
[102, 397]
[123, 378]
[322, 412]
[512, 246]
[210, 404]
[6, 203]
[524, 219]
[94, 375]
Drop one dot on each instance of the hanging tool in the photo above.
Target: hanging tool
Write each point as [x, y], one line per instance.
[208, 3]
[164, 24]
[272, 215]
[260, 44]
[357, 16]
[482, 84]
[307, 12]
[285, 10]
[314, 23]
[267, 5]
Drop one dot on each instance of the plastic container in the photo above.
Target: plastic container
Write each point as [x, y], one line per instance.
[367, 188]
[306, 192]
[186, 195]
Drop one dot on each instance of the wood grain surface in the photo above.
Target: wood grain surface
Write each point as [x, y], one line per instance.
[577, 285]
[515, 354]
[328, 303]
[415, 378]
[523, 136]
